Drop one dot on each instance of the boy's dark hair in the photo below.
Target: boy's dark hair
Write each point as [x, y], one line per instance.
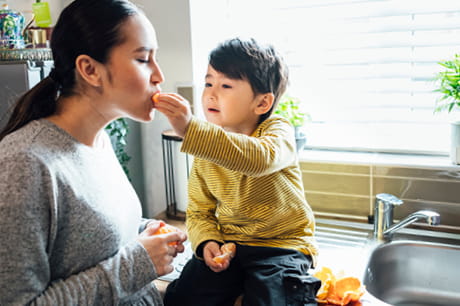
[262, 66]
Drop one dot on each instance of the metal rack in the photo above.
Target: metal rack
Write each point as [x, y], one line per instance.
[169, 138]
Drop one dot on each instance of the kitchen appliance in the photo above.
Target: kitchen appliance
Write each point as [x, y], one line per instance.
[16, 77]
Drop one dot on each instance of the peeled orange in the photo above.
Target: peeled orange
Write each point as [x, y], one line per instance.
[228, 252]
[164, 229]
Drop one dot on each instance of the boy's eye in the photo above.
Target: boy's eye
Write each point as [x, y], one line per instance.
[226, 86]
[207, 85]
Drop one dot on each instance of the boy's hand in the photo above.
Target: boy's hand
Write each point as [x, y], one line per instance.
[176, 109]
[212, 250]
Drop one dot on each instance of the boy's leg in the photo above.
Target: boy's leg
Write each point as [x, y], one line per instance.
[277, 277]
[199, 285]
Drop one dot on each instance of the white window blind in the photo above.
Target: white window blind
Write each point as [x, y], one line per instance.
[363, 69]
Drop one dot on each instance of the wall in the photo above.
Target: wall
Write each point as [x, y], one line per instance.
[171, 20]
[348, 189]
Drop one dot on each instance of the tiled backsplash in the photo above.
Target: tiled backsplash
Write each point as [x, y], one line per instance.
[349, 190]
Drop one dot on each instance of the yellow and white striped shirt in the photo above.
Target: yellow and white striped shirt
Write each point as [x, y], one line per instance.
[247, 189]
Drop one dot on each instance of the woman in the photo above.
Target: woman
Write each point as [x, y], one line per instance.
[70, 220]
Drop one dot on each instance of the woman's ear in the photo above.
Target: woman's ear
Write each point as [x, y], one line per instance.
[265, 103]
[89, 70]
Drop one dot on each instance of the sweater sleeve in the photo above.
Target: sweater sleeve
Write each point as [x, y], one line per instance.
[26, 234]
[270, 148]
[202, 224]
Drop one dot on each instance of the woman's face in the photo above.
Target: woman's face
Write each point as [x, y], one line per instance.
[133, 74]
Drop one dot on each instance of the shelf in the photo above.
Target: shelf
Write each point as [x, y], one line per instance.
[15, 55]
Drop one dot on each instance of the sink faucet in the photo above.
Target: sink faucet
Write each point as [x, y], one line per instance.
[383, 216]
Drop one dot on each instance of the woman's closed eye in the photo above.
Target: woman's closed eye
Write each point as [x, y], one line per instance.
[143, 60]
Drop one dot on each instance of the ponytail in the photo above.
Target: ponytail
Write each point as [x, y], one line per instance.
[38, 102]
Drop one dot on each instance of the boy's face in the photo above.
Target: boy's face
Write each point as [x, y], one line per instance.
[230, 103]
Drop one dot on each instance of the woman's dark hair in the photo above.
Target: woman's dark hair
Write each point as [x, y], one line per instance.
[260, 65]
[90, 27]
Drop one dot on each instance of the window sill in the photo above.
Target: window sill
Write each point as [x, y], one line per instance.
[378, 159]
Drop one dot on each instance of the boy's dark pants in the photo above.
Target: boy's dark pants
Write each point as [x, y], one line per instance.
[265, 276]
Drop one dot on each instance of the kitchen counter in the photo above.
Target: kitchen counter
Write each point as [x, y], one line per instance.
[345, 247]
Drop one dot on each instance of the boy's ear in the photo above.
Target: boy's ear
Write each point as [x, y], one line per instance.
[265, 103]
[89, 69]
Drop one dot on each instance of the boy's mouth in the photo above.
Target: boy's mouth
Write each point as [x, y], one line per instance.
[213, 110]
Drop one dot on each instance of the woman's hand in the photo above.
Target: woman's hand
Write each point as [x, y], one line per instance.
[176, 109]
[210, 250]
[162, 248]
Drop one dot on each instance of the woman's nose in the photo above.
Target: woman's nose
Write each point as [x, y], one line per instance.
[157, 76]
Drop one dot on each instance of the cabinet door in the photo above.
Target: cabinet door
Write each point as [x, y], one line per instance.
[15, 79]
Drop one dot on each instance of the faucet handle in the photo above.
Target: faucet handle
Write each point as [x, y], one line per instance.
[383, 212]
[389, 199]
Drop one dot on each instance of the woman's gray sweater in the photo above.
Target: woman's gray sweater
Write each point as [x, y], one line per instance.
[69, 219]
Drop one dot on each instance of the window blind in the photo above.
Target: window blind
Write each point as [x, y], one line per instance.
[363, 69]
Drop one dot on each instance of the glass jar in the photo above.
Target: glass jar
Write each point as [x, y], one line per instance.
[11, 28]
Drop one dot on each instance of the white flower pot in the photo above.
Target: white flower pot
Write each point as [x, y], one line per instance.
[455, 142]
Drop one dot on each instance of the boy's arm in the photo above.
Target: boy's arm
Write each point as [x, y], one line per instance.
[201, 221]
[270, 148]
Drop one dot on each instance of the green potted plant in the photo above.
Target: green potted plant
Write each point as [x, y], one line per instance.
[290, 108]
[448, 85]
[118, 131]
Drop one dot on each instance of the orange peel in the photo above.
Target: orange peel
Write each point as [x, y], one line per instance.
[228, 252]
[338, 291]
[327, 279]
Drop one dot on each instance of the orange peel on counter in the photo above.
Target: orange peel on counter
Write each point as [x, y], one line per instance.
[228, 252]
[338, 291]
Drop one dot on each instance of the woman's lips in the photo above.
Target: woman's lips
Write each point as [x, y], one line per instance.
[213, 110]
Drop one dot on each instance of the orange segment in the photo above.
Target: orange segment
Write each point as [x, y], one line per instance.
[228, 252]
[155, 97]
[221, 258]
[228, 248]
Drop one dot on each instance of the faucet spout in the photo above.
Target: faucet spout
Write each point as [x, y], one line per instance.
[431, 218]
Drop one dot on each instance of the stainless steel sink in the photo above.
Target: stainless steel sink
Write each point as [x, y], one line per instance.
[414, 273]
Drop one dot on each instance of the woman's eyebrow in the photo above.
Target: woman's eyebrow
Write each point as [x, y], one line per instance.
[143, 49]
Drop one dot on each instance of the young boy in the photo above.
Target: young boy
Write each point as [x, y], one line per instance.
[245, 187]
